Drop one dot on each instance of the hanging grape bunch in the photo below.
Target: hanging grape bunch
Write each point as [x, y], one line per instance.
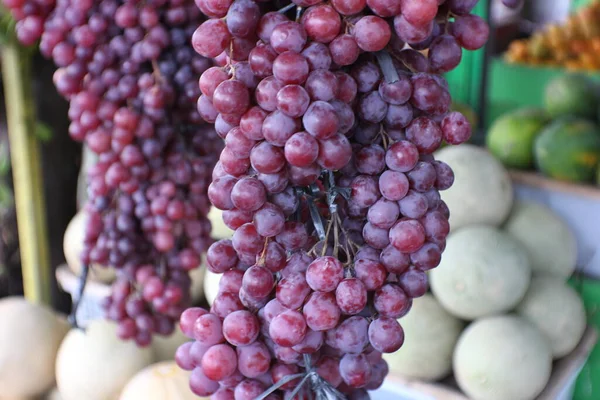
[130, 75]
[330, 114]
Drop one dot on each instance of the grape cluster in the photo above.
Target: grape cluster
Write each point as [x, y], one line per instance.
[327, 178]
[30, 16]
[130, 75]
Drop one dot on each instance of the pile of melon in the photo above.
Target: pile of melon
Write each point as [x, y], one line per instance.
[562, 140]
[41, 357]
[499, 311]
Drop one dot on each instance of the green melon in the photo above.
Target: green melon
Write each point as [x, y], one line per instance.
[550, 243]
[569, 149]
[572, 95]
[557, 311]
[511, 136]
[502, 358]
[484, 271]
[482, 192]
[430, 334]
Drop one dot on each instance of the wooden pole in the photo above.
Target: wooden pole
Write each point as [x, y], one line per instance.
[25, 159]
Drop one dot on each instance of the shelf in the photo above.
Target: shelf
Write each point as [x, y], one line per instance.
[539, 181]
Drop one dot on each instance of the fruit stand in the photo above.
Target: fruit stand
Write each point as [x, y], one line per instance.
[308, 200]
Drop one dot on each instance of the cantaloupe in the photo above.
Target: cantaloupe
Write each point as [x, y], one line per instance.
[161, 381]
[165, 347]
[30, 336]
[430, 334]
[482, 192]
[550, 243]
[557, 311]
[502, 358]
[96, 364]
[73, 245]
[484, 271]
[211, 286]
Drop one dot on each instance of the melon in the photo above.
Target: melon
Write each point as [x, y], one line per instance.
[511, 137]
[161, 381]
[430, 334]
[95, 364]
[501, 358]
[482, 192]
[484, 271]
[73, 246]
[571, 94]
[557, 311]
[165, 347]
[30, 336]
[211, 286]
[219, 229]
[569, 150]
[550, 243]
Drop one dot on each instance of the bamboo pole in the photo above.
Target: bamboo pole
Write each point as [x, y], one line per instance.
[25, 159]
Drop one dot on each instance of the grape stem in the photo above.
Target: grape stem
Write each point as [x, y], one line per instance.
[286, 8]
[319, 386]
[298, 13]
[326, 239]
[387, 66]
[384, 138]
[314, 213]
[83, 278]
[279, 384]
[263, 255]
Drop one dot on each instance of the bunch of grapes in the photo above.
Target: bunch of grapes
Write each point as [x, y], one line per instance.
[130, 74]
[330, 114]
[30, 16]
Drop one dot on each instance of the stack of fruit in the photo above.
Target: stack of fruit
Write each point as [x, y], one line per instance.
[503, 277]
[574, 45]
[562, 140]
[328, 181]
[92, 364]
